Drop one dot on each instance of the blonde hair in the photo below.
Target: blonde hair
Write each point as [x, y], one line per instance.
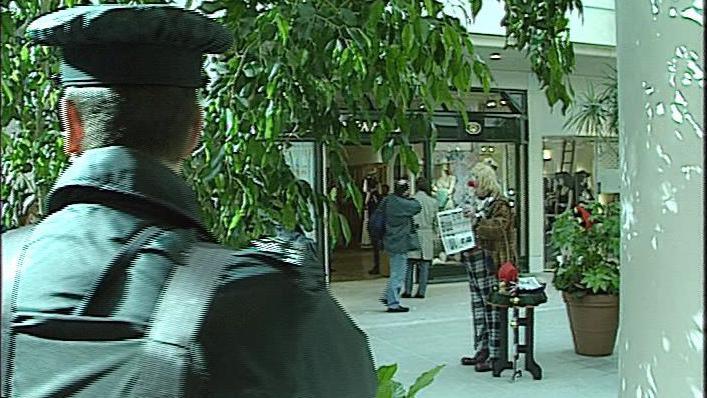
[486, 178]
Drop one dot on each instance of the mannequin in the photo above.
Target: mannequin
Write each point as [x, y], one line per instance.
[444, 187]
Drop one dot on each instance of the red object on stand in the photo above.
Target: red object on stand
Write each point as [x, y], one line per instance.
[508, 272]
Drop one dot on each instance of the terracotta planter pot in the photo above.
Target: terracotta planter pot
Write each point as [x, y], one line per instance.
[594, 320]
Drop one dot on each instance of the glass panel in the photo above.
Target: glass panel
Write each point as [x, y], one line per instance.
[300, 156]
[452, 163]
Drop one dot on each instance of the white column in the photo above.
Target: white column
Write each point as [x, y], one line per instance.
[661, 84]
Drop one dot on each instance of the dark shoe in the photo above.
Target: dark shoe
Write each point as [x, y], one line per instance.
[485, 366]
[398, 309]
[418, 295]
[405, 295]
[480, 356]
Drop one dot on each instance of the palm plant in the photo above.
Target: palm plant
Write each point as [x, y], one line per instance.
[596, 112]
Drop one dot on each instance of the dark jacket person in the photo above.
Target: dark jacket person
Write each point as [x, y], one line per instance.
[131, 115]
[400, 238]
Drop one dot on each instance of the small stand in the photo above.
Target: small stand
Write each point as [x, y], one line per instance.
[505, 303]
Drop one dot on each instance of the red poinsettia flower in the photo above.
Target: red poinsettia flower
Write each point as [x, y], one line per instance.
[472, 184]
[585, 217]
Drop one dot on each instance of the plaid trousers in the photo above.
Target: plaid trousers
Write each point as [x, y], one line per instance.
[486, 318]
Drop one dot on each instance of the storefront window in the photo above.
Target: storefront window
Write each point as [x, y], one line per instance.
[451, 171]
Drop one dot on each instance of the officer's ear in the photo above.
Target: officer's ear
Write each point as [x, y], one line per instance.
[73, 127]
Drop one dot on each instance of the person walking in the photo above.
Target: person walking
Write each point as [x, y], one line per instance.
[425, 222]
[398, 240]
[495, 236]
[121, 291]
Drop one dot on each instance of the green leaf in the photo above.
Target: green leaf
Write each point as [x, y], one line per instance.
[386, 372]
[210, 7]
[387, 153]
[235, 220]
[375, 13]
[410, 159]
[429, 7]
[475, 7]
[345, 228]
[306, 11]
[423, 381]
[348, 16]
[408, 38]
[283, 27]
[378, 138]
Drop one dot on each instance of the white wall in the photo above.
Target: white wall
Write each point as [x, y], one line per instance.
[661, 343]
[543, 121]
[598, 26]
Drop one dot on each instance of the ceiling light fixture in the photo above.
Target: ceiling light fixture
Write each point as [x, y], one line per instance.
[490, 104]
[503, 102]
[495, 56]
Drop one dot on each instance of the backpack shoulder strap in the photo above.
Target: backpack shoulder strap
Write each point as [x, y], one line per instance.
[14, 243]
[177, 319]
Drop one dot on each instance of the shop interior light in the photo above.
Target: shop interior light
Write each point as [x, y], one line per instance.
[503, 102]
[491, 149]
[495, 56]
[491, 103]
[547, 154]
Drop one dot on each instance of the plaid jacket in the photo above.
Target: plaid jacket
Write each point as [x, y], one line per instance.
[496, 232]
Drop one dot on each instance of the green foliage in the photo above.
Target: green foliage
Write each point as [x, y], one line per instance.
[590, 257]
[597, 112]
[315, 70]
[32, 155]
[389, 388]
[541, 30]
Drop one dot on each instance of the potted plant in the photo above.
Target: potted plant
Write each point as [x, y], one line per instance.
[587, 240]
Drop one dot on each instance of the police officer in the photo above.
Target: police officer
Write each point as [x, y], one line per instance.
[90, 274]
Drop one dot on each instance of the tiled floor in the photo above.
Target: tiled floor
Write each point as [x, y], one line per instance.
[438, 331]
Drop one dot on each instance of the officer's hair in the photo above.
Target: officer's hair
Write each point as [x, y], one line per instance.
[152, 119]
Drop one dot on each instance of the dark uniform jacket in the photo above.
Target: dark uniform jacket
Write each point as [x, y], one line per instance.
[273, 329]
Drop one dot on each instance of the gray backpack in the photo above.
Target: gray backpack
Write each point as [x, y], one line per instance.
[162, 353]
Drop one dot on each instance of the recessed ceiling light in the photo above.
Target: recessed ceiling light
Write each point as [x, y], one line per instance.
[495, 56]
[490, 104]
[503, 102]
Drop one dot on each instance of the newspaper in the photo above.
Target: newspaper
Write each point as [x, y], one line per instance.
[528, 283]
[456, 231]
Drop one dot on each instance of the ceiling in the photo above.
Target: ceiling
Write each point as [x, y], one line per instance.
[513, 60]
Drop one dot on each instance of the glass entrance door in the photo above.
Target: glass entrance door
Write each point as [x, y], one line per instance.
[451, 171]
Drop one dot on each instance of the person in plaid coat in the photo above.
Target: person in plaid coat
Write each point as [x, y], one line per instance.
[495, 235]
